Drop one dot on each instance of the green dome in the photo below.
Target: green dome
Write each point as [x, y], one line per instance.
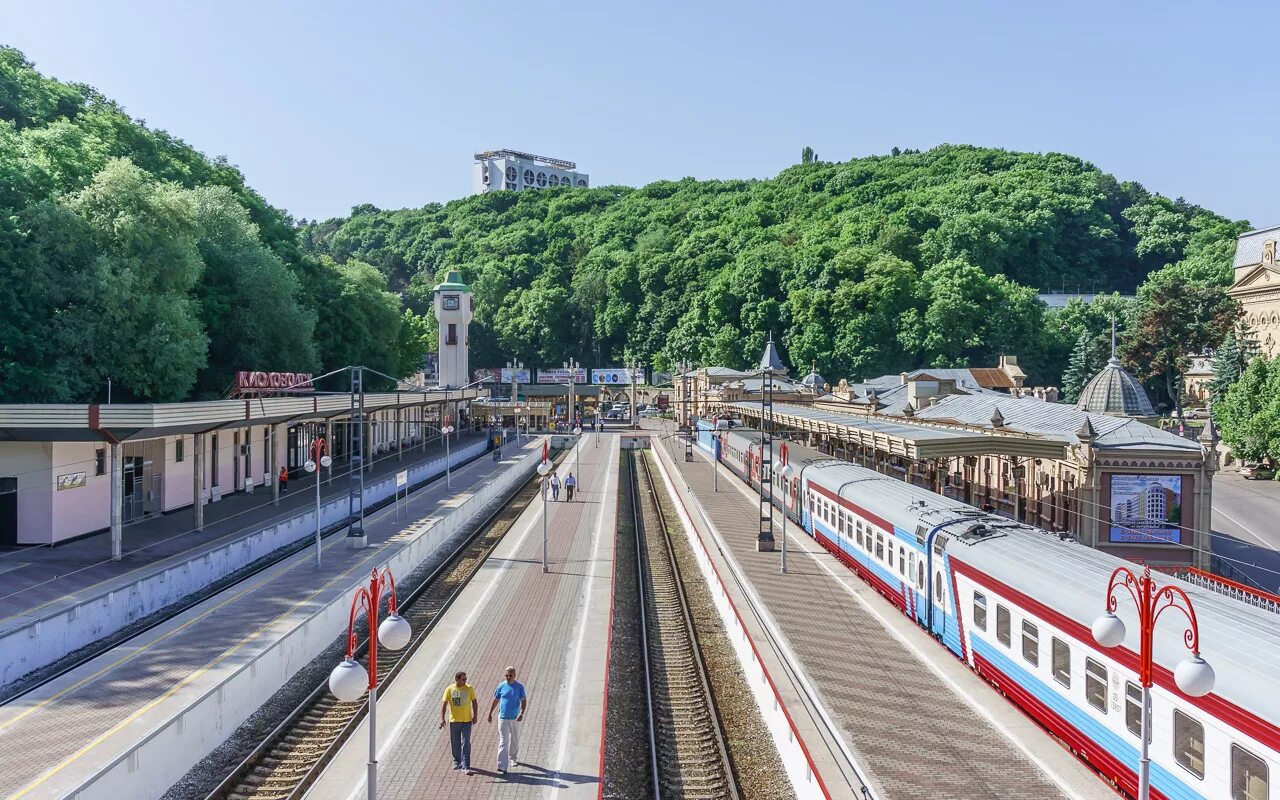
[452, 283]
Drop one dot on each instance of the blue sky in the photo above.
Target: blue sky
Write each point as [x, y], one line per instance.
[325, 105]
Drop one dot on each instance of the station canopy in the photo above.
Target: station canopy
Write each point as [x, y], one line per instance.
[915, 440]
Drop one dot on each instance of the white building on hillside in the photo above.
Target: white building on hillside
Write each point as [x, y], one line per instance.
[512, 169]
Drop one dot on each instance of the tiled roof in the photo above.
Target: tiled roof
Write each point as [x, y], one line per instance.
[1056, 420]
[1115, 391]
[1249, 245]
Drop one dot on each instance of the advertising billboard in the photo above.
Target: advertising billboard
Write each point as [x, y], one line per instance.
[561, 375]
[485, 375]
[1146, 509]
[617, 375]
[431, 368]
[517, 375]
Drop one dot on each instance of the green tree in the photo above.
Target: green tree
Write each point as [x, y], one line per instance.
[1084, 364]
[1248, 415]
[1231, 359]
[1176, 318]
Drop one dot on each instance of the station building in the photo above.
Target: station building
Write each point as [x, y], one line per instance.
[1256, 284]
[1096, 471]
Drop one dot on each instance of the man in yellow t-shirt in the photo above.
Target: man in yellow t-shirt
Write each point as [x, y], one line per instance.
[460, 704]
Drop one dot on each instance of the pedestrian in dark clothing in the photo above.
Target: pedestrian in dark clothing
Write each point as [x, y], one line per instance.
[284, 480]
[570, 483]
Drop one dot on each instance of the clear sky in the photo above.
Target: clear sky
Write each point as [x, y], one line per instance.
[325, 105]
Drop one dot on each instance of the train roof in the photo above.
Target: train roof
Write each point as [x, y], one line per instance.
[1240, 641]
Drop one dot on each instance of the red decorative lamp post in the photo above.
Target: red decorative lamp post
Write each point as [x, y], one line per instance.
[349, 680]
[1193, 675]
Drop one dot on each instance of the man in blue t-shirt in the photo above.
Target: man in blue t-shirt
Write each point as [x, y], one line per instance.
[511, 701]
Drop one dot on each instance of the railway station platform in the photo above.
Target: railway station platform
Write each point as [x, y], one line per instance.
[553, 628]
[41, 580]
[875, 699]
[133, 720]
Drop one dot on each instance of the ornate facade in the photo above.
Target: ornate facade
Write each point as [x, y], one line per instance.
[1257, 286]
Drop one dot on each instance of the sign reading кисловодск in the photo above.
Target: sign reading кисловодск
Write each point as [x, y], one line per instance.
[251, 381]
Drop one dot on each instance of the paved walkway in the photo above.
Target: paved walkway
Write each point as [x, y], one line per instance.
[552, 627]
[41, 579]
[920, 723]
[52, 739]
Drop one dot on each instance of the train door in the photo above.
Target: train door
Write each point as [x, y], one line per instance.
[8, 511]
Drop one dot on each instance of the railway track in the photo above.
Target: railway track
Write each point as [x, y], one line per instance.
[285, 764]
[57, 669]
[688, 753]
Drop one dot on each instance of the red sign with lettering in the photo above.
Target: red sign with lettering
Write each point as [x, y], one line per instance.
[248, 382]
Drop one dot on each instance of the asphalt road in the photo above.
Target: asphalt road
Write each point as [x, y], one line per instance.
[1247, 514]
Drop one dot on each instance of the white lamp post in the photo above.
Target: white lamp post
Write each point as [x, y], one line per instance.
[349, 680]
[785, 474]
[448, 461]
[544, 469]
[1193, 676]
[312, 466]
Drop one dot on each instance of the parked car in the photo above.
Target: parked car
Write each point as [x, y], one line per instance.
[1255, 471]
[650, 412]
[613, 414]
[1197, 413]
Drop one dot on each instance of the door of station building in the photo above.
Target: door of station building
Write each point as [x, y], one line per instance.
[237, 481]
[132, 486]
[8, 511]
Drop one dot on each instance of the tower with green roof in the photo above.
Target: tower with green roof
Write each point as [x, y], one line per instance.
[453, 312]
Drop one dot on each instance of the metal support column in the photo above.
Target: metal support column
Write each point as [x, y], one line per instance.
[117, 504]
[328, 440]
[764, 543]
[355, 491]
[274, 477]
[399, 434]
[197, 481]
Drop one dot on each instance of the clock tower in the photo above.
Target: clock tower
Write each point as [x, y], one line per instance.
[453, 312]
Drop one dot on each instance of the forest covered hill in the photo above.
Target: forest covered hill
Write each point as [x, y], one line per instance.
[125, 254]
[867, 266]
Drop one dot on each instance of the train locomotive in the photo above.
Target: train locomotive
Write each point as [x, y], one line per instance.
[1016, 602]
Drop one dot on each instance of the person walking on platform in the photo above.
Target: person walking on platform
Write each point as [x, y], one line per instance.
[512, 702]
[284, 480]
[570, 483]
[460, 706]
[555, 487]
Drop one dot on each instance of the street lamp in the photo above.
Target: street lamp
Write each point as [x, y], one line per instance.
[349, 680]
[1193, 676]
[785, 475]
[543, 469]
[318, 448]
[445, 431]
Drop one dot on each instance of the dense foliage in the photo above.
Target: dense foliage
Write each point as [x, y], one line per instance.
[1248, 415]
[127, 255]
[868, 267]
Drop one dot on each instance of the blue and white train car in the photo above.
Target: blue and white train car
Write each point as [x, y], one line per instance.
[1016, 603]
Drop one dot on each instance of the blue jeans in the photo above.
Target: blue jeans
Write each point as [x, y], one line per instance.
[460, 739]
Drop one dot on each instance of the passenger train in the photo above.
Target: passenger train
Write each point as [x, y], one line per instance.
[1016, 603]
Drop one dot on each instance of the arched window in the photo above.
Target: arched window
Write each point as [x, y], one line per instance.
[528, 177]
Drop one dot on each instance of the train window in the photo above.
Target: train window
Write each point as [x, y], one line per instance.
[1188, 743]
[1095, 684]
[1002, 626]
[938, 595]
[1031, 643]
[1061, 662]
[902, 560]
[1249, 780]
[980, 611]
[1133, 708]
[920, 576]
[859, 528]
[879, 546]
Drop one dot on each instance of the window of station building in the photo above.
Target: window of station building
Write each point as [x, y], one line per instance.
[1061, 662]
[1095, 684]
[1031, 643]
[100, 461]
[980, 611]
[528, 177]
[512, 177]
[1249, 776]
[1133, 708]
[178, 453]
[1003, 634]
[542, 179]
[452, 336]
[553, 179]
[1188, 743]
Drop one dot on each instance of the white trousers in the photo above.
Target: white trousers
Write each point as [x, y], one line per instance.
[508, 742]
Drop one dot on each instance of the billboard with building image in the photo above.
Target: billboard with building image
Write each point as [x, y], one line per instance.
[1146, 509]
